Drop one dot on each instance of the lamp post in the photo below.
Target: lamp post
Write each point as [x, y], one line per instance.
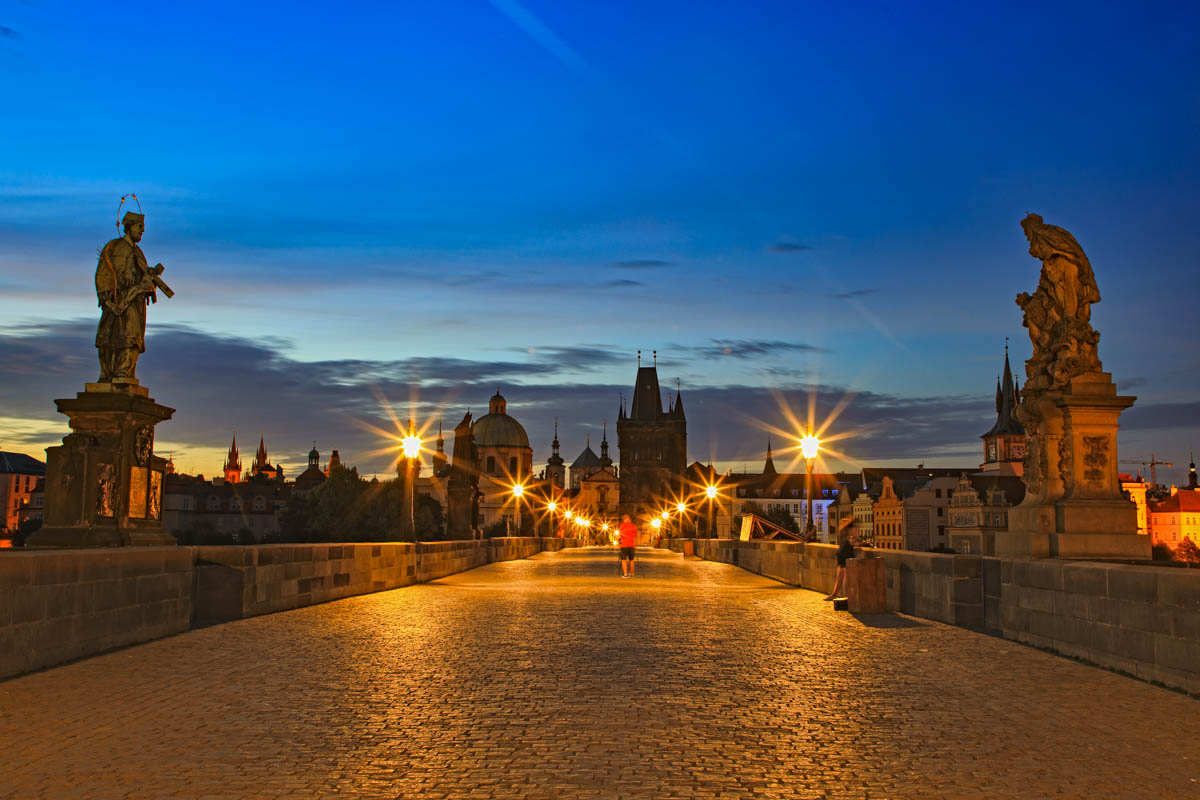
[518, 492]
[710, 492]
[552, 507]
[411, 447]
[810, 445]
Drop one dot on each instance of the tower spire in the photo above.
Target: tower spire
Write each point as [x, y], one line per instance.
[605, 461]
[769, 466]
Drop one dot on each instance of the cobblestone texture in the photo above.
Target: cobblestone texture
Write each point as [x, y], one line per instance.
[554, 678]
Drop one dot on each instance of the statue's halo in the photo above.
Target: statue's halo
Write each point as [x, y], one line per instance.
[135, 199]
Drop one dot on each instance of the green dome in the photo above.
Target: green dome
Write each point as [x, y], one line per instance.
[499, 430]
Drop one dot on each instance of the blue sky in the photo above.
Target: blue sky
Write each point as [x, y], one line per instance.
[457, 194]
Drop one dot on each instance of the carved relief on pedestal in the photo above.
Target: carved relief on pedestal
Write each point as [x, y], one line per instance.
[155, 509]
[106, 490]
[143, 445]
[1095, 459]
[1064, 464]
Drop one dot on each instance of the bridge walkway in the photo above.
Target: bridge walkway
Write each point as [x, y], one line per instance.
[554, 678]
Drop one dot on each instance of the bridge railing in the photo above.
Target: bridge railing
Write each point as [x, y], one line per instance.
[1140, 620]
[60, 605]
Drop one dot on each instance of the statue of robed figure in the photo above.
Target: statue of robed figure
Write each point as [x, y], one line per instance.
[125, 286]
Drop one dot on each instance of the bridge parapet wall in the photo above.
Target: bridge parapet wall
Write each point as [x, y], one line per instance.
[60, 605]
[1140, 620]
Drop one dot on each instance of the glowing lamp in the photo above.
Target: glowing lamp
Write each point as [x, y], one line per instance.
[809, 446]
[518, 490]
[710, 491]
[656, 523]
[551, 505]
[411, 445]
[680, 507]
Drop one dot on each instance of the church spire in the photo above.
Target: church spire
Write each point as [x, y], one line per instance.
[605, 461]
[555, 460]
[233, 462]
[1191, 471]
[769, 466]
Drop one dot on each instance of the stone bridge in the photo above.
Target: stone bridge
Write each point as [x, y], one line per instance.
[551, 677]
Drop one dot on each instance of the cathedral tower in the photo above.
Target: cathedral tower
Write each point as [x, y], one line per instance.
[233, 463]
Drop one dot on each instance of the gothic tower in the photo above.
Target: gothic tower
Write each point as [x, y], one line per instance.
[1004, 444]
[233, 463]
[652, 444]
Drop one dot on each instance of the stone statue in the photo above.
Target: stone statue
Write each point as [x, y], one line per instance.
[1058, 314]
[125, 285]
[462, 503]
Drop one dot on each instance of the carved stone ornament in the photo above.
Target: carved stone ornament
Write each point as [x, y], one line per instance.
[1033, 465]
[1064, 464]
[106, 490]
[1095, 458]
[143, 445]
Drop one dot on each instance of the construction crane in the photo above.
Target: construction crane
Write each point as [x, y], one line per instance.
[1153, 464]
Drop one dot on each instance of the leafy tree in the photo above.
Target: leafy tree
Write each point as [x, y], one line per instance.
[781, 517]
[1187, 551]
[1162, 552]
[429, 519]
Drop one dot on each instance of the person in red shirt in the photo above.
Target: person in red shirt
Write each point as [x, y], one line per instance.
[627, 543]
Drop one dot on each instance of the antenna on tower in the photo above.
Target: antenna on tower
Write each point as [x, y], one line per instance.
[639, 359]
[655, 359]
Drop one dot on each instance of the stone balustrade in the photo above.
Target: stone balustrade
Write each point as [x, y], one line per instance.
[60, 605]
[1140, 620]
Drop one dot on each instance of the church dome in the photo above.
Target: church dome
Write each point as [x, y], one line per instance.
[499, 430]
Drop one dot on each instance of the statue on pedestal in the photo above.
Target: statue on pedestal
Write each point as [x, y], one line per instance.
[462, 503]
[1069, 408]
[104, 485]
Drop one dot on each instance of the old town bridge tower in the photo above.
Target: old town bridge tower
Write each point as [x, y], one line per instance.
[653, 447]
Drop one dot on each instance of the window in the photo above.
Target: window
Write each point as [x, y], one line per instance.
[214, 503]
[937, 492]
[260, 503]
[941, 511]
[964, 546]
[235, 503]
[512, 465]
[491, 465]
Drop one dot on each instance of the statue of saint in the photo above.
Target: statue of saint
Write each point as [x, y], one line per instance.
[1058, 314]
[125, 285]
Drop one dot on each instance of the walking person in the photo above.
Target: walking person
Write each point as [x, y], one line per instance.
[627, 534]
[845, 552]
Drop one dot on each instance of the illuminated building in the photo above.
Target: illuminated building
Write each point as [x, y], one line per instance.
[18, 479]
[1004, 444]
[1176, 518]
[652, 445]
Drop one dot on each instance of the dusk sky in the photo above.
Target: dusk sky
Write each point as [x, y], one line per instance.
[363, 205]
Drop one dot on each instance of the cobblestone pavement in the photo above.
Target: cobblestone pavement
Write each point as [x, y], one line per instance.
[554, 678]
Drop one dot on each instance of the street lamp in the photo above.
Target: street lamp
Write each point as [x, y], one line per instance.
[410, 445]
[552, 506]
[518, 492]
[810, 445]
[710, 492]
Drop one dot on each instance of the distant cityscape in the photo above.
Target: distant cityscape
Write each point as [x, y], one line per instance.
[944, 509]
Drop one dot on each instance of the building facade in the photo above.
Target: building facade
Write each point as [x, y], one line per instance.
[19, 475]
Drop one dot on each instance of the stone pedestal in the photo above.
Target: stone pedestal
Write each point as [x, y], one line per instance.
[104, 485]
[1073, 506]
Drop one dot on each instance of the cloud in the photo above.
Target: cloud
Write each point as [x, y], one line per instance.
[855, 293]
[622, 284]
[750, 348]
[217, 382]
[1130, 383]
[8, 33]
[642, 263]
[789, 247]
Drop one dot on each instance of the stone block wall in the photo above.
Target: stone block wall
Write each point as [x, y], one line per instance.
[1140, 620]
[59, 605]
[238, 582]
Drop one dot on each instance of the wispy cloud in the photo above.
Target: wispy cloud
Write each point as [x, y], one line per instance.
[855, 293]
[622, 284]
[642, 263]
[748, 348]
[537, 30]
[789, 247]
[8, 33]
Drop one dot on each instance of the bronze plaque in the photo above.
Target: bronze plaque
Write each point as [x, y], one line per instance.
[155, 494]
[137, 493]
[106, 490]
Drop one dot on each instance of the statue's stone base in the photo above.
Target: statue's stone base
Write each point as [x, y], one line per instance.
[1074, 507]
[104, 485]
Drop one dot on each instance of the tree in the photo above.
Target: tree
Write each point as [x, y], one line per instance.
[25, 529]
[1187, 551]
[429, 519]
[1162, 552]
[781, 517]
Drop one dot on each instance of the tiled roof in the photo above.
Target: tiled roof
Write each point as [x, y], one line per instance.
[1184, 500]
[20, 464]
